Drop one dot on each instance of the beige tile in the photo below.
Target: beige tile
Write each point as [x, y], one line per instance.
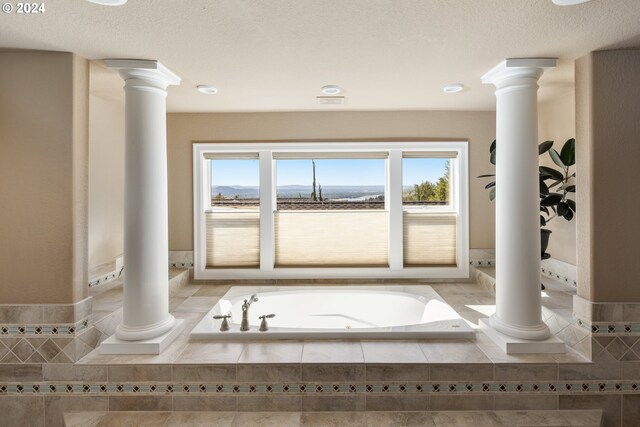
[134, 419]
[270, 419]
[392, 352]
[56, 406]
[140, 403]
[611, 406]
[459, 403]
[200, 419]
[222, 402]
[461, 372]
[268, 373]
[269, 403]
[22, 411]
[414, 419]
[397, 402]
[272, 352]
[317, 403]
[332, 352]
[342, 373]
[216, 352]
[70, 372]
[58, 313]
[526, 372]
[526, 402]
[139, 373]
[197, 304]
[453, 352]
[204, 373]
[466, 418]
[332, 419]
[393, 373]
[212, 290]
[21, 314]
[533, 418]
[631, 312]
[23, 350]
[83, 419]
[18, 372]
[631, 409]
[593, 371]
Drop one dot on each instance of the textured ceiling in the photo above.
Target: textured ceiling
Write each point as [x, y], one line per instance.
[274, 55]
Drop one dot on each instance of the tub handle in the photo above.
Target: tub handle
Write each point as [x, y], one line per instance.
[224, 326]
[263, 325]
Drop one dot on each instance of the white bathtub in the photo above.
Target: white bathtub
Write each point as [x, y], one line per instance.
[337, 312]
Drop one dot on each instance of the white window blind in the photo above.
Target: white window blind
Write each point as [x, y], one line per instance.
[331, 239]
[429, 239]
[429, 155]
[233, 239]
[317, 155]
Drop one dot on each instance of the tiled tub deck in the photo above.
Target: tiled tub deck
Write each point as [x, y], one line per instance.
[313, 376]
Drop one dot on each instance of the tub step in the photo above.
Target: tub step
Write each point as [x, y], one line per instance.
[584, 418]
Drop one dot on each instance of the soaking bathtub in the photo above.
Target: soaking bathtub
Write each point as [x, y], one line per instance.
[336, 312]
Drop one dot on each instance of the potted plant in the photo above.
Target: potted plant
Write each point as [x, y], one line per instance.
[556, 184]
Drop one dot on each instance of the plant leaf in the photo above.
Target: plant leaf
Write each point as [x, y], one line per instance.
[544, 147]
[568, 216]
[563, 208]
[556, 174]
[570, 188]
[492, 194]
[556, 158]
[568, 153]
[543, 188]
[544, 209]
[492, 148]
[491, 184]
[551, 200]
[543, 221]
[555, 183]
[572, 205]
[486, 176]
[492, 158]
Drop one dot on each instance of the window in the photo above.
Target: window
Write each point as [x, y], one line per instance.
[330, 210]
[233, 220]
[429, 220]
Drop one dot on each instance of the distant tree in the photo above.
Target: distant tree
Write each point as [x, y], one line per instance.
[314, 196]
[442, 186]
[427, 191]
[219, 196]
[320, 192]
[236, 197]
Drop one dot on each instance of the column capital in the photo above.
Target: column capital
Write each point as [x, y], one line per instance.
[515, 68]
[150, 71]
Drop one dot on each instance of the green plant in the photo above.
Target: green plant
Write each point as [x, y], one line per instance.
[555, 184]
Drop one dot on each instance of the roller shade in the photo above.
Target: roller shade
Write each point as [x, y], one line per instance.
[429, 154]
[231, 156]
[330, 155]
[233, 239]
[429, 239]
[332, 239]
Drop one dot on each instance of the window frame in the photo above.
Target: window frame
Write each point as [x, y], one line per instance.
[393, 205]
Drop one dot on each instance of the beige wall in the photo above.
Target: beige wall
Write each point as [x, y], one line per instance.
[183, 129]
[43, 177]
[106, 179]
[557, 122]
[608, 128]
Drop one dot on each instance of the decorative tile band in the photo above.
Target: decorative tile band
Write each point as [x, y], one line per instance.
[427, 388]
[181, 264]
[44, 329]
[112, 275]
[610, 328]
[545, 271]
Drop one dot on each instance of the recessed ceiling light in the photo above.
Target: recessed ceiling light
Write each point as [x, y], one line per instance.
[453, 88]
[569, 2]
[108, 2]
[331, 89]
[207, 89]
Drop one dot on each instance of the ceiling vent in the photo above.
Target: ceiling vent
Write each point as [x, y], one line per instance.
[331, 100]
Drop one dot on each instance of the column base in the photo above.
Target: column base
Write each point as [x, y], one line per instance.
[113, 345]
[512, 345]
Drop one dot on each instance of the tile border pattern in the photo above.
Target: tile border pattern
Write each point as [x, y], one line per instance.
[589, 387]
[104, 278]
[545, 271]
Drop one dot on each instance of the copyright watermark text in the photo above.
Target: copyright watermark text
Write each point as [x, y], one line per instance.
[24, 8]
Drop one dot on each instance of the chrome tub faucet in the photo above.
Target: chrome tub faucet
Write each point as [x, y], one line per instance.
[244, 325]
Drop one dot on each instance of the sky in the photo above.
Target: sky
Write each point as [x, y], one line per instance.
[328, 172]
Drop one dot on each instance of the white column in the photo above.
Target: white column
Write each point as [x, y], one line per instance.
[146, 227]
[518, 301]
[393, 204]
[267, 207]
